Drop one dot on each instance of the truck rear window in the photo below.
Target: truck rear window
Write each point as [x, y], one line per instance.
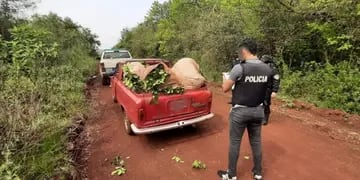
[116, 55]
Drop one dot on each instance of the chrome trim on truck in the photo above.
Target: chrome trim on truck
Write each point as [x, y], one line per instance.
[171, 125]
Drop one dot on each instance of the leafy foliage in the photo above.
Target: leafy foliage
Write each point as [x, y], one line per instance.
[9, 11]
[154, 83]
[177, 159]
[41, 88]
[8, 170]
[334, 86]
[198, 165]
[119, 166]
[119, 171]
[298, 33]
[117, 161]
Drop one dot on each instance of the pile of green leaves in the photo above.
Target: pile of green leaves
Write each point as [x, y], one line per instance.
[197, 164]
[177, 159]
[119, 166]
[154, 83]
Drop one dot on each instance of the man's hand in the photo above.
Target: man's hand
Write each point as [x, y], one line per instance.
[274, 94]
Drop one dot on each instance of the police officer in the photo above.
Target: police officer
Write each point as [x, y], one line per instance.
[235, 60]
[271, 92]
[251, 78]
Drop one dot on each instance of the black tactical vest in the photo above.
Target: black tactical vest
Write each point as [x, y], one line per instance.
[250, 89]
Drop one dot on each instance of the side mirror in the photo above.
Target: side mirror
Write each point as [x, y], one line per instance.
[98, 58]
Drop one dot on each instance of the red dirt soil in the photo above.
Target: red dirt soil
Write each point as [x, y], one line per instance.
[303, 143]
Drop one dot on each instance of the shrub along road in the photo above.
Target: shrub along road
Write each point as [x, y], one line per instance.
[299, 144]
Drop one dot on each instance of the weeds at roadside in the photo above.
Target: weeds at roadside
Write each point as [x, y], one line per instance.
[288, 103]
[8, 169]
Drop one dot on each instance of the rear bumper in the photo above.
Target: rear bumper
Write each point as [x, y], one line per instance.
[107, 74]
[171, 125]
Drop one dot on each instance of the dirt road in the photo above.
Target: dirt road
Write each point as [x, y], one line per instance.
[299, 144]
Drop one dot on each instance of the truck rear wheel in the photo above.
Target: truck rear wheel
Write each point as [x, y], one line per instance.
[105, 81]
[127, 125]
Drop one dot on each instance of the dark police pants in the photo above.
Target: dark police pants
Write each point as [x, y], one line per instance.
[242, 118]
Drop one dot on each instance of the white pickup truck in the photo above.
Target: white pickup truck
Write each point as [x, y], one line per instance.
[108, 60]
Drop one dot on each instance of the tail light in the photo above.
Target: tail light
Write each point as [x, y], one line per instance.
[102, 66]
[141, 114]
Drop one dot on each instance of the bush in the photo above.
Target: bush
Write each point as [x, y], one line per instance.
[334, 86]
[40, 92]
[210, 32]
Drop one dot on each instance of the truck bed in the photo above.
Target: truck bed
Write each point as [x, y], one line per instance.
[191, 106]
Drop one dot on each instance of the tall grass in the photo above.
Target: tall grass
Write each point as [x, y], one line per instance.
[39, 95]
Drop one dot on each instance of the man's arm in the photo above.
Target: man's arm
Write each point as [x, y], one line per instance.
[235, 74]
[227, 85]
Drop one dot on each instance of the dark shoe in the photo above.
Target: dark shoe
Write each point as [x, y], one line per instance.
[224, 175]
[264, 123]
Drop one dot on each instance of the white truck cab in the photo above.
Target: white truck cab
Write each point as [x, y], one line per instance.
[108, 60]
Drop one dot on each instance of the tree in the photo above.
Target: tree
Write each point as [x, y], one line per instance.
[303, 35]
[9, 10]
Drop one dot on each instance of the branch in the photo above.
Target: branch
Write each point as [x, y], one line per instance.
[286, 6]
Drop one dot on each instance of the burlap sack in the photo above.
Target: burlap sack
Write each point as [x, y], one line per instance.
[137, 68]
[187, 72]
[143, 71]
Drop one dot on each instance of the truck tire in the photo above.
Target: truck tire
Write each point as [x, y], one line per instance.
[105, 81]
[127, 125]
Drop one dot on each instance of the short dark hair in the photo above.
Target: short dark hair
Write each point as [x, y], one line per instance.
[249, 44]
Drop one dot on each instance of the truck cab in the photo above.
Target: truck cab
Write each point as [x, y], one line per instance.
[108, 60]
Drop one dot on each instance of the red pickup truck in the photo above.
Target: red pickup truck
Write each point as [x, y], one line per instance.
[170, 112]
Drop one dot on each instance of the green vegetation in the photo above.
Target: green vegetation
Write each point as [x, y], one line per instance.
[154, 83]
[117, 161]
[316, 43]
[119, 166]
[198, 165]
[119, 171]
[45, 60]
[44, 63]
[177, 159]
